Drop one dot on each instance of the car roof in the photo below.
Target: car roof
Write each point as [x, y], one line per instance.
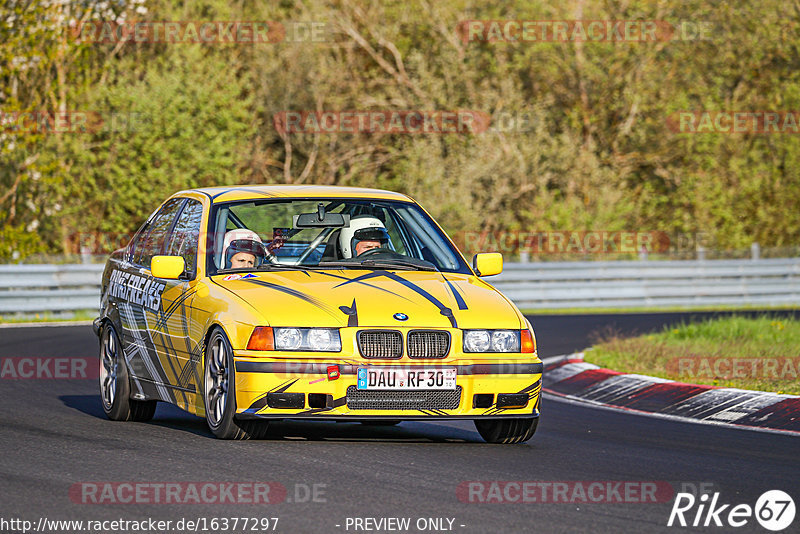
[247, 192]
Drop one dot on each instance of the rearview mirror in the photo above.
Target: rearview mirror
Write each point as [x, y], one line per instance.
[167, 267]
[487, 263]
[321, 219]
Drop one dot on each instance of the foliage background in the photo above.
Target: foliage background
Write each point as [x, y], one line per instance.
[592, 149]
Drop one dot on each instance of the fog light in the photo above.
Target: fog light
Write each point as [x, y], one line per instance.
[512, 400]
[286, 400]
[482, 400]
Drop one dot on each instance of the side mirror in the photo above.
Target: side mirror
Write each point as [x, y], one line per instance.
[487, 263]
[168, 267]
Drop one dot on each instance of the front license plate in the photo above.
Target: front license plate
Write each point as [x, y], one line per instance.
[377, 378]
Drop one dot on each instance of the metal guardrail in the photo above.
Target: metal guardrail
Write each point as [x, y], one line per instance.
[651, 283]
[550, 285]
[49, 288]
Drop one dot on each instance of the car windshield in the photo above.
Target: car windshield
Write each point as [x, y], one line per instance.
[328, 233]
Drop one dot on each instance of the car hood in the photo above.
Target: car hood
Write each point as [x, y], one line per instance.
[373, 298]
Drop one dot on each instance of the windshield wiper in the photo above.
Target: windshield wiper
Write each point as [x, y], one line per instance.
[288, 266]
[265, 267]
[380, 264]
[409, 264]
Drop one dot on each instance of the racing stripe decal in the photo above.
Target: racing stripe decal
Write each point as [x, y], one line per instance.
[185, 373]
[533, 391]
[295, 293]
[261, 402]
[340, 277]
[352, 314]
[140, 348]
[531, 387]
[495, 410]
[462, 305]
[444, 310]
[163, 316]
[281, 389]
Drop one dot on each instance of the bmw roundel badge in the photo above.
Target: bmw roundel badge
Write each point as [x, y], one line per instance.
[400, 316]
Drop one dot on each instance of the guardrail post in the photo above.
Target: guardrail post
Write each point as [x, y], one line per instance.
[701, 253]
[755, 251]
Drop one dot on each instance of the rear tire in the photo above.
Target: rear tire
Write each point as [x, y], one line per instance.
[220, 398]
[115, 387]
[507, 430]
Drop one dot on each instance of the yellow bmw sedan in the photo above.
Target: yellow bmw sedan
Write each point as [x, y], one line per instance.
[247, 304]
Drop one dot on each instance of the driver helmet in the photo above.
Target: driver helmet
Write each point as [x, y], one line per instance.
[364, 228]
[243, 240]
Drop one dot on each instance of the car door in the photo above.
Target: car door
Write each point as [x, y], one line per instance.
[176, 340]
[141, 307]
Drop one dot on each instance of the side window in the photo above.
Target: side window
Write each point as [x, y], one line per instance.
[159, 228]
[394, 233]
[136, 246]
[187, 234]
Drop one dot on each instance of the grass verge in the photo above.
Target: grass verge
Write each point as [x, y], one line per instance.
[761, 353]
[85, 315]
[643, 309]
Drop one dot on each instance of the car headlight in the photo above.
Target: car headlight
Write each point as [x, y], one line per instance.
[299, 339]
[491, 341]
[288, 338]
[322, 339]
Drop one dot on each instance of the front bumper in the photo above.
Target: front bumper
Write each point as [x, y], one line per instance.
[260, 381]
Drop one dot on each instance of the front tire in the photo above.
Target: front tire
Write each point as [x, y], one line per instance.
[506, 430]
[220, 393]
[115, 387]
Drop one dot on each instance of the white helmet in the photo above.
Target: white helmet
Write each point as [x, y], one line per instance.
[364, 228]
[242, 240]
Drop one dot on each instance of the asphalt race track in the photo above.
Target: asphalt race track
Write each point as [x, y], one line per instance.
[54, 436]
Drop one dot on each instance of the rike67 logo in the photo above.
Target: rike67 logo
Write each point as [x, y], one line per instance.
[774, 510]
